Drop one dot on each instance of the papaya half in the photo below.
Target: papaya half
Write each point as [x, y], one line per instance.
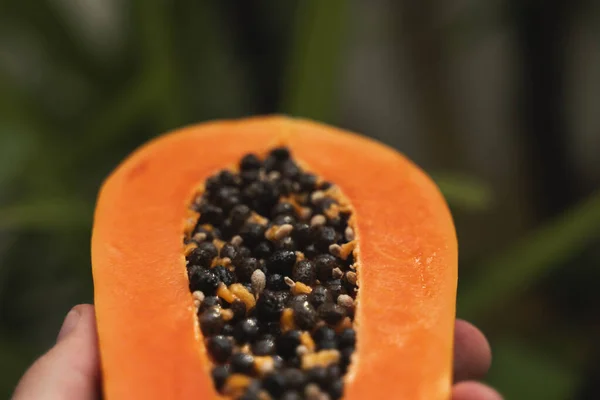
[273, 258]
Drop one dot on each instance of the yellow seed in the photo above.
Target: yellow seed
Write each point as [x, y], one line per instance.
[337, 273]
[225, 261]
[312, 391]
[342, 251]
[199, 237]
[322, 358]
[258, 281]
[189, 225]
[198, 296]
[349, 233]
[283, 231]
[287, 320]
[264, 365]
[189, 248]
[224, 293]
[318, 220]
[333, 211]
[237, 240]
[273, 175]
[263, 395]
[343, 324]
[345, 301]
[335, 249]
[307, 341]
[246, 349]
[218, 243]
[235, 385]
[270, 233]
[347, 248]
[243, 294]
[345, 207]
[295, 202]
[258, 219]
[317, 196]
[226, 314]
[334, 193]
[200, 189]
[301, 198]
[301, 288]
[304, 213]
[190, 222]
[319, 324]
[351, 276]
[278, 232]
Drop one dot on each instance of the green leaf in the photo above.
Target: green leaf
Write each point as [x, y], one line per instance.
[15, 359]
[153, 90]
[16, 145]
[313, 70]
[511, 272]
[155, 25]
[46, 215]
[59, 39]
[120, 112]
[464, 191]
[522, 371]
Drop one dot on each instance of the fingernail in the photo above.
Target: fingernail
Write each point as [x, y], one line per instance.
[69, 323]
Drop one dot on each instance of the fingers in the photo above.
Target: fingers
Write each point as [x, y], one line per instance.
[70, 370]
[474, 391]
[472, 359]
[472, 354]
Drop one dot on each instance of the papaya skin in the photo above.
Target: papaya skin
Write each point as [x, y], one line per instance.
[150, 343]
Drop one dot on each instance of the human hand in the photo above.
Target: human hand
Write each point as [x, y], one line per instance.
[71, 369]
[472, 358]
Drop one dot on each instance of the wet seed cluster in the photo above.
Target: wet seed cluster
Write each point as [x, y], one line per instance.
[270, 261]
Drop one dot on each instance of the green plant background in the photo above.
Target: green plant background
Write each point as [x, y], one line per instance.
[495, 99]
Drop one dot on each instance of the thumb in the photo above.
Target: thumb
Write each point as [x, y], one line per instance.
[70, 370]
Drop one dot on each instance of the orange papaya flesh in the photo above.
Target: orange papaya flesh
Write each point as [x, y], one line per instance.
[176, 303]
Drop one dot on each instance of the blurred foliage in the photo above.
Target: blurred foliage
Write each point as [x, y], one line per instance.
[532, 372]
[466, 192]
[316, 57]
[74, 100]
[517, 268]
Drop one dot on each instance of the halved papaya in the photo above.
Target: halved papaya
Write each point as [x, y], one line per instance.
[286, 258]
